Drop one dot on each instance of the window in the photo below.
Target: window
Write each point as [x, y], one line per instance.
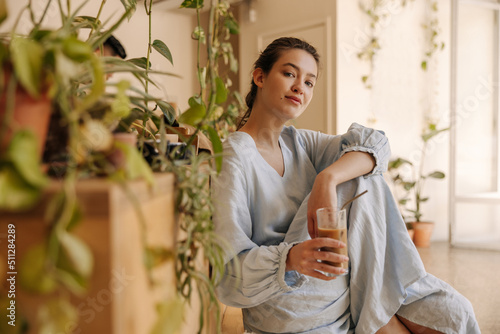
[475, 167]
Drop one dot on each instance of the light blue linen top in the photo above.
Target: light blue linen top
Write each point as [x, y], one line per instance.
[262, 215]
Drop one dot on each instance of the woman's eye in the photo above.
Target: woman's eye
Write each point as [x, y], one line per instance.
[310, 84]
[289, 74]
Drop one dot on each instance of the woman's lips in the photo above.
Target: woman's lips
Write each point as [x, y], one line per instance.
[294, 99]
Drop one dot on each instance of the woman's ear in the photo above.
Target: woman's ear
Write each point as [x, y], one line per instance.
[258, 77]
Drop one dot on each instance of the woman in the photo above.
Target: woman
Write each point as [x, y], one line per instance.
[273, 180]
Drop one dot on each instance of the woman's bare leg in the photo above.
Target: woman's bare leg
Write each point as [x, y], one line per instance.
[394, 326]
[416, 329]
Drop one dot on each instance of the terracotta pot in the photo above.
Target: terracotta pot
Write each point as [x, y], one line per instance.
[422, 233]
[29, 113]
[411, 233]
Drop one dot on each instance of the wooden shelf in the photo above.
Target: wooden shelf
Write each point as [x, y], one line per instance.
[120, 299]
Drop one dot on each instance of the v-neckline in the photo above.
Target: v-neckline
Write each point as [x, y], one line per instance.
[280, 142]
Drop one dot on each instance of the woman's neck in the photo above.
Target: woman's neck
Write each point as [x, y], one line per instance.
[265, 131]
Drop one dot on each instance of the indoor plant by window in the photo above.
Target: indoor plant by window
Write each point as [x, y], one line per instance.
[410, 189]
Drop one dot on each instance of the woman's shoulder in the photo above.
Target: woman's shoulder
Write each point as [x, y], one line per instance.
[237, 147]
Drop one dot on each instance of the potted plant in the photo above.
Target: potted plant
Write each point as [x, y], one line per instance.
[409, 190]
[78, 91]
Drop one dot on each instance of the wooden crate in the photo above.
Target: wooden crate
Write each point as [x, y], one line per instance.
[120, 300]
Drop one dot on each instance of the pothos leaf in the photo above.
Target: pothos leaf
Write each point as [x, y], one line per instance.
[76, 256]
[27, 57]
[163, 49]
[221, 94]
[196, 4]
[135, 165]
[140, 62]
[216, 145]
[23, 154]
[15, 193]
[193, 115]
[129, 5]
[168, 111]
[33, 274]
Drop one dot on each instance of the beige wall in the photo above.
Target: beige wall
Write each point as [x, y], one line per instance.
[399, 99]
[401, 95]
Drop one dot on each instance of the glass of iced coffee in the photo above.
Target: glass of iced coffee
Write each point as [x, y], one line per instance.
[332, 223]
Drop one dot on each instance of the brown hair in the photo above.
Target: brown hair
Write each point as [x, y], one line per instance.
[266, 61]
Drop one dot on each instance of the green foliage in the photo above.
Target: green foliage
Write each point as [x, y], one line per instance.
[432, 31]
[376, 10]
[21, 177]
[413, 186]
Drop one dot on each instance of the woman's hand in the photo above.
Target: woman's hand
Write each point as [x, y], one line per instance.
[304, 257]
[324, 191]
[323, 194]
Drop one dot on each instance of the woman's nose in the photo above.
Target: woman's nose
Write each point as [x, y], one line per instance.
[297, 88]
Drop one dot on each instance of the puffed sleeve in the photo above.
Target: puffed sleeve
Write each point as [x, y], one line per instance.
[325, 149]
[260, 274]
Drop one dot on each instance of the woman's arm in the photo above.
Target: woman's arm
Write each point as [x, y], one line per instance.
[324, 192]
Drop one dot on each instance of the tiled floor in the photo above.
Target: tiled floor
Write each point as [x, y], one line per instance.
[474, 273]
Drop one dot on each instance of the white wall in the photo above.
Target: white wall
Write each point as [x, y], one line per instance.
[399, 97]
[173, 28]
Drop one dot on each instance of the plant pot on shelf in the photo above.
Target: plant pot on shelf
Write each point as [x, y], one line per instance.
[422, 233]
[28, 114]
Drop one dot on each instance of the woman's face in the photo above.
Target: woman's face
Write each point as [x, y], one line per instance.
[288, 88]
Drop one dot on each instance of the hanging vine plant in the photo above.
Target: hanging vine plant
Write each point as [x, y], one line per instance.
[432, 31]
[376, 12]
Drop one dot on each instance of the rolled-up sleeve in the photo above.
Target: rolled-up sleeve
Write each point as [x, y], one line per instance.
[325, 149]
[261, 276]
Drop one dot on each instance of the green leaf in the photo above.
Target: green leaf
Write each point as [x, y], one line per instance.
[163, 49]
[33, 274]
[3, 10]
[55, 315]
[170, 317]
[423, 65]
[27, 58]
[231, 24]
[221, 94]
[194, 101]
[216, 145]
[193, 115]
[15, 193]
[425, 199]
[75, 255]
[135, 166]
[76, 50]
[87, 22]
[140, 62]
[396, 163]
[428, 135]
[168, 111]
[408, 185]
[129, 5]
[120, 106]
[436, 175]
[23, 154]
[195, 4]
